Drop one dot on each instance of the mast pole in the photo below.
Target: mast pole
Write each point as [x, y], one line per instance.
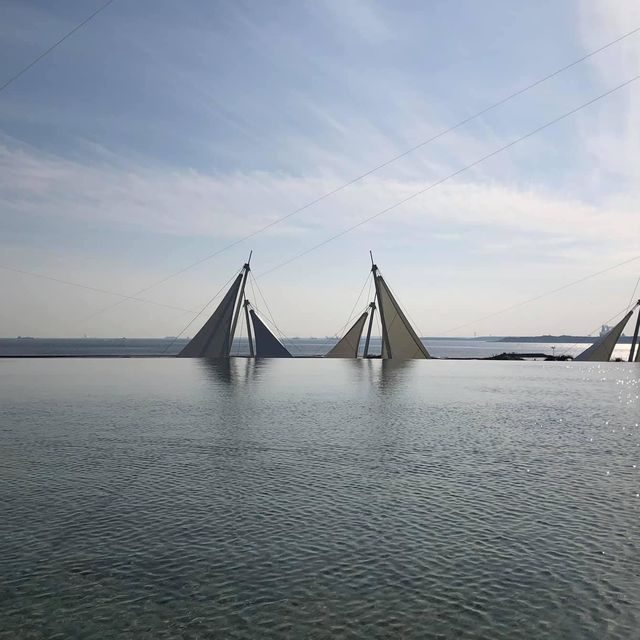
[372, 311]
[246, 270]
[635, 335]
[385, 336]
[249, 335]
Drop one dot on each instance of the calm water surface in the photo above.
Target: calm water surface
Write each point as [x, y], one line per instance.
[168, 498]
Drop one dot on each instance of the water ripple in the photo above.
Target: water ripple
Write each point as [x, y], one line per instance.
[175, 499]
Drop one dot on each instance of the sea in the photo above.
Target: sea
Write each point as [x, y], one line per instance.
[158, 497]
[305, 347]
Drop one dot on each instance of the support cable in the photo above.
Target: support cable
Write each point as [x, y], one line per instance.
[575, 347]
[281, 335]
[394, 159]
[46, 52]
[540, 296]
[224, 286]
[404, 309]
[633, 295]
[437, 183]
[94, 289]
[351, 314]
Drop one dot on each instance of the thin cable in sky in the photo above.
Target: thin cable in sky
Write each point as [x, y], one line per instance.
[633, 295]
[543, 295]
[355, 305]
[380, 166]
[199, 313]
[46, 52]
[437, 183]
[95, 289]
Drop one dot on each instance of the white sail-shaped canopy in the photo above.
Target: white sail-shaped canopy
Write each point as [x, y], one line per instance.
[601, 349]
[399, 340]
[215, 338]
[347, 346]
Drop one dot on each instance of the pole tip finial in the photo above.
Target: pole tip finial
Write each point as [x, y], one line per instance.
[373, 264]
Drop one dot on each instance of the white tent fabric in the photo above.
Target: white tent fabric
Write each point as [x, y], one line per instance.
[403, 342]
[347, 346]
[601, 349]
[214, 339]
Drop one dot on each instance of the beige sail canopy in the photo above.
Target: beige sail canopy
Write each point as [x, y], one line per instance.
[399, 340]
[347, 346]
[601, 349]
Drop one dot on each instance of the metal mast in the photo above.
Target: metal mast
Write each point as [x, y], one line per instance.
[635, 334]
[249, 334]
[246, 268]
[385, 335]
[372, 311]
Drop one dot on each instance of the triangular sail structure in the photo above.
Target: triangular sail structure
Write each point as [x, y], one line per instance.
[267, 345]
[215, 337]
[601, 349]
[347, 346]
[399, 340]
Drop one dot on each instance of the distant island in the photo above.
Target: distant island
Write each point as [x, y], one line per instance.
[566, 339]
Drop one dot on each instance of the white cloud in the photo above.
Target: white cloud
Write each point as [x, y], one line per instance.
[615, 144]
[359, 16]
[187, 202]
[546, 238]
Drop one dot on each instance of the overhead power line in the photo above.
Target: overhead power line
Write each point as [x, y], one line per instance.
[437, 183]
[388, 162]
[46, 52]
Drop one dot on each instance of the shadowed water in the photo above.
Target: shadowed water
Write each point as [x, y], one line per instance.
[168, 498]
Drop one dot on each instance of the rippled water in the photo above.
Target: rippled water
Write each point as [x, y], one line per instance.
[168, 498]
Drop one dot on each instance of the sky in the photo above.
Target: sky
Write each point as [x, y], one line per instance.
[163, 131]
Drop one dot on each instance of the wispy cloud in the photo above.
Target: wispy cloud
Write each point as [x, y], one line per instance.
[189, 202]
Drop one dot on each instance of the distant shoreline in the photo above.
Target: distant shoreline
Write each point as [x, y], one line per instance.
[523, 339]
[560, 339]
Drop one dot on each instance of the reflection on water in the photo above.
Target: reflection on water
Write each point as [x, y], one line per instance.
[230, 371]
[220, 370]
[318, 498]
[393, 372]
